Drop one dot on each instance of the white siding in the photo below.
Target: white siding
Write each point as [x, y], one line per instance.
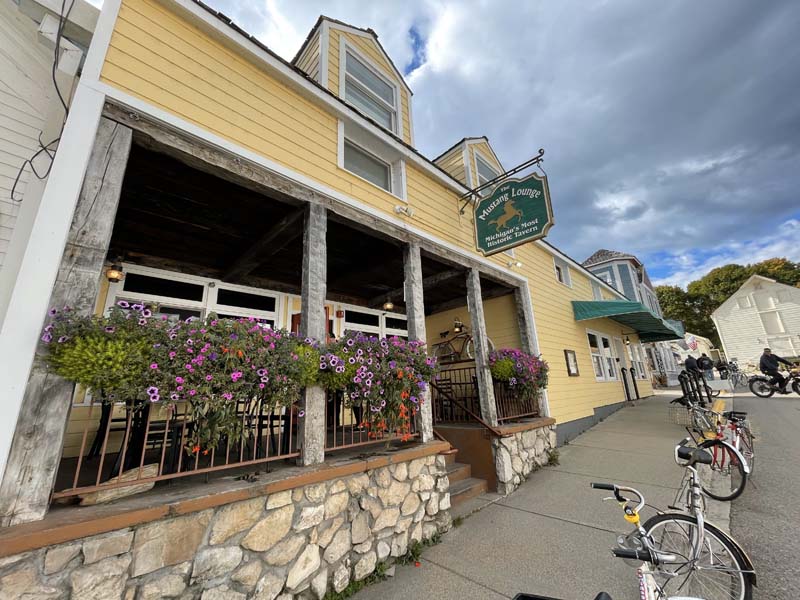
[741, 326]
[25, 93]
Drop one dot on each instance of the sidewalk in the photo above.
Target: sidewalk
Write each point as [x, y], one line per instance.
[552, 536]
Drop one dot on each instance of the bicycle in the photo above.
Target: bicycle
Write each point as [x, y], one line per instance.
[732, 453]
[685, 556]
[445, 351]
[762, 387]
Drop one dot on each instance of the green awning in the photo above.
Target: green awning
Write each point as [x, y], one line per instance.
[649, 326]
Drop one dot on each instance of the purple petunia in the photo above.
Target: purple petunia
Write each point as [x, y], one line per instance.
[123, 304]
[63, 339]
[154, 366]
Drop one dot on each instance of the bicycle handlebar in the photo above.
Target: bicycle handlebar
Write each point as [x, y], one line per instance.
[612, 487]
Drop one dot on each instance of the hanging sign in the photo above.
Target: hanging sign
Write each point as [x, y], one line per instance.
[517, 211]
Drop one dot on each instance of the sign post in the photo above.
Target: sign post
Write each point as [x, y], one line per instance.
[517, 211]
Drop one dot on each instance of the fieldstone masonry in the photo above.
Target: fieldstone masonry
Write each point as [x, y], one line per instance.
[295, 544]
[517, 455]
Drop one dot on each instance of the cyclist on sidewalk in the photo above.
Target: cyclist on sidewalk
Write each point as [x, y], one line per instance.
[769, 366]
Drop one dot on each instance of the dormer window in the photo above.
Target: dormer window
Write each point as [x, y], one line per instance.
[369, 92]
[485, 173]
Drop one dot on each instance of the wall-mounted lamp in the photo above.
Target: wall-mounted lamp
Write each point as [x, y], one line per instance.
[404, 210]
[458, 326]
[388, 305]
[114, 273]
[627, 341]
[514, 263]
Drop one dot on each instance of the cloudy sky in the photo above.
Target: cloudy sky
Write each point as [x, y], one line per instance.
[671, 129]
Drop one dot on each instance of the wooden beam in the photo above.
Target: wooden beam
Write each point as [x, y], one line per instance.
[415, 312]
[427, 283]
[462, 301]
[39, 436]
[232, 168]
[273, 241]
[313, 324]
[527, 333]
[484, 377]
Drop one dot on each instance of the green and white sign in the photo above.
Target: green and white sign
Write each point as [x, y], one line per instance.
[516, 212]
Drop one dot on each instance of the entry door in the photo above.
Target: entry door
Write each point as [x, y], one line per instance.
[296, 325]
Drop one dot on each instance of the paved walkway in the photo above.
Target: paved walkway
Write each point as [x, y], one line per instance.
[552, 536]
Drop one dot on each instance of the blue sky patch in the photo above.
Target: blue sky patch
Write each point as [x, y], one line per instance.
[418, 48]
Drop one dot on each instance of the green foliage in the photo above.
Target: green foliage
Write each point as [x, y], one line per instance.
[503, 369]
[553, 457]
[704, 295]
[458, 521]
[379, 574]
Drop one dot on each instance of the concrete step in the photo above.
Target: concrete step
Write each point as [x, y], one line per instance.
[449, 456]
[458, 472]
[463, 490]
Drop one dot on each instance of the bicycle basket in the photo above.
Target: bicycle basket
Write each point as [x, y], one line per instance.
[678, 415]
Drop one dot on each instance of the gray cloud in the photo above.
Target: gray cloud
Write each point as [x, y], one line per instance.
[669, 127]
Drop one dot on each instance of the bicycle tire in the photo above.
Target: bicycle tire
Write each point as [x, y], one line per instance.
[684, 523]
[469, 347]
[761, 387]
[747, 447]
[439, 350]
[725, 459]
[712, 392]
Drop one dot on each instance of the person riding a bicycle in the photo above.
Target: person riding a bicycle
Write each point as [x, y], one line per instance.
[769, 366]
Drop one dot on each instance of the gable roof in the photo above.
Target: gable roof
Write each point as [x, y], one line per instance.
[471, 140]
[744, 285]
[342, 26]
[602, 256]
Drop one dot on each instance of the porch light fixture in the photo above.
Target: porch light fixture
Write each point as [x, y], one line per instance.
[114, 273]
[627, 341]
[388, 305]
[514, 263]
[458, 326]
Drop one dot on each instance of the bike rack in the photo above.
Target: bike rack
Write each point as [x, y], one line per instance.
[635, 385]
[623, 372]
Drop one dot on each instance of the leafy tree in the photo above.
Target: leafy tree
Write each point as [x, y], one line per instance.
[704, 295]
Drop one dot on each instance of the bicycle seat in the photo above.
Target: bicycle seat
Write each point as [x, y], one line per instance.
[735, 415]
[695, 455]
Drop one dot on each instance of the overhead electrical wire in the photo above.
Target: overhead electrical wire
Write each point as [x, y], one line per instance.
[47, 149]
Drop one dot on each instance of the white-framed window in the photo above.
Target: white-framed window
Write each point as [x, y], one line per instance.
[562, 271]
[636, 355]
[605, 277]
[364, 156]
[743, 302]
[772, 322]
[485, 172]
[375, 322]
[604, 360]
[367, 166]
[597, 291]
[369, 90]
[179, 297]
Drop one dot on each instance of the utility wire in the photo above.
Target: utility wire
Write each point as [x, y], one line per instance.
[47, 149]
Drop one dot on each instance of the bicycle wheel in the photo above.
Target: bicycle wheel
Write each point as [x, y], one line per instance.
[442, 351]
[726, 463]
[747, 447]
[469, 347]
[712, 392]
[761, 387]
[716, 574]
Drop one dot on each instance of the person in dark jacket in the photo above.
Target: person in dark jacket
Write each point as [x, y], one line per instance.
[769, 366]
[706, 366]
[690, 364]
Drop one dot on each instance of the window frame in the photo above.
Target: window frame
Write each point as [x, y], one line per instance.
[479, 159]
[359, 148]
[597, 291]
[347, 48]
[607, 356]
[564, 267]
[636, 357]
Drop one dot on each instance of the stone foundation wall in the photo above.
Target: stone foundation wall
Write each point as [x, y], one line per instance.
[293, 544]
[520, 453]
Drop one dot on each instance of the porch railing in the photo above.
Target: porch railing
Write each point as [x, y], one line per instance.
[353, 426]
[122, 445]
[456, 400]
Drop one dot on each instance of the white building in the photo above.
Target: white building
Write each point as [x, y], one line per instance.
[702, 345]
[627, 274]
[762, 313]
[31, 113]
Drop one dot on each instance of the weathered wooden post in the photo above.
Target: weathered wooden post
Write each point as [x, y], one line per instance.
[485, 385]
[415, 313]
[39, 435]
[527, 333]
[313, 325]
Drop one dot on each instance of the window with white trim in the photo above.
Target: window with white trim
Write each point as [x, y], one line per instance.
[562, 271]
[368, 166]
[604, 360]
[597, 291]
[370, 92]
[636, 355]
[485, 173]
[743, 302]
[375, 322]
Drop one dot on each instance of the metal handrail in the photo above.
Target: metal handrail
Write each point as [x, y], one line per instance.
[475, 417]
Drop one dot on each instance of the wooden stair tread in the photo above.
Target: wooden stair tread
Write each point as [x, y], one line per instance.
[458, 471]
[463, 490]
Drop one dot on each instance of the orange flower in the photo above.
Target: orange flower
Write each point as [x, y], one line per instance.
[239, 353]
[404, 395]
[399, 373]
[196, 449]
[205, 452]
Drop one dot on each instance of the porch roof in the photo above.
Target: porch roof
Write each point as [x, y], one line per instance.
[649, 327]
